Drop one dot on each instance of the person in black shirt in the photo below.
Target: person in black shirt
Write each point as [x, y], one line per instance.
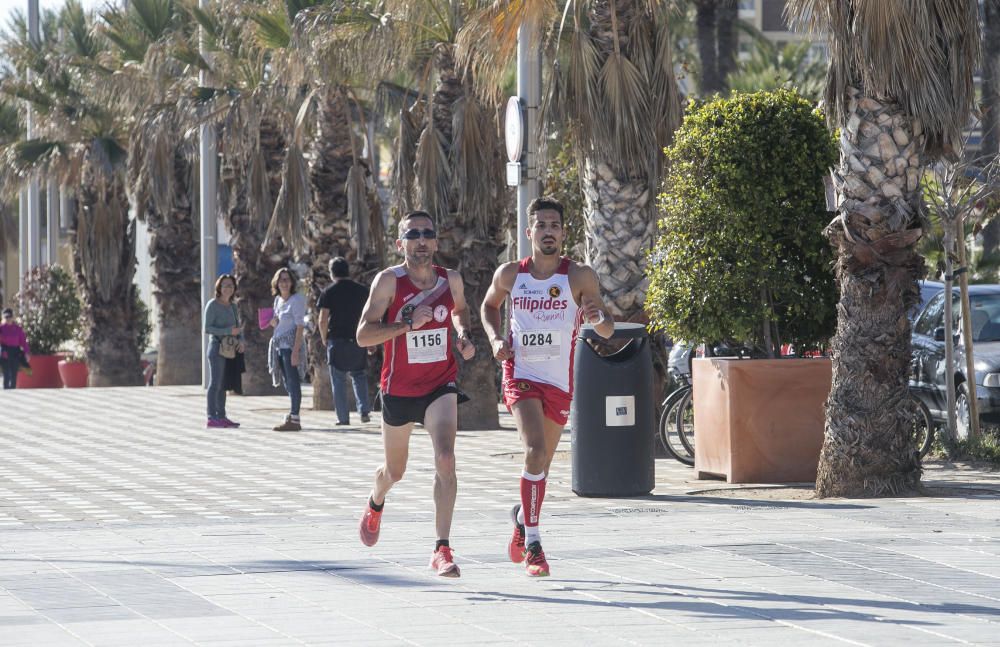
[340, 307]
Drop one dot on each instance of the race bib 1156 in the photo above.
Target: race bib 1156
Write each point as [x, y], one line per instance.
[427, 346]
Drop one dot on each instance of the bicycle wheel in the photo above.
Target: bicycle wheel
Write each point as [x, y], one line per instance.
[666, 428]
[923, 427]
[684, 422]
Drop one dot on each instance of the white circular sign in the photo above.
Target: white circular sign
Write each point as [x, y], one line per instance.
[513, 129]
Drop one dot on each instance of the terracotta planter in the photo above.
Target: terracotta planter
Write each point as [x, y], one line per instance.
[759, 421]
[44, 373]
[73, 374]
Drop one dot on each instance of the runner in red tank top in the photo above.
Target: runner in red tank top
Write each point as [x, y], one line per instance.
[547, 296]
[411, 309]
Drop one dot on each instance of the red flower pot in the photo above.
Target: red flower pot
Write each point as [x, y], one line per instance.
[74, 374]
[44, 373]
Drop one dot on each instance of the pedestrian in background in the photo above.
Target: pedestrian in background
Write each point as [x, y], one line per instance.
[340, 307]
[222, 324]
[286, 354]
[14, 349]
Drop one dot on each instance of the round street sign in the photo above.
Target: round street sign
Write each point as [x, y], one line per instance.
[514, 129]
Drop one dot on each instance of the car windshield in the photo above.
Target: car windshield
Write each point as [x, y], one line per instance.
[985, 317]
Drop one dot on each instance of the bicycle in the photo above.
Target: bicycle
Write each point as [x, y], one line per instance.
[676, 424]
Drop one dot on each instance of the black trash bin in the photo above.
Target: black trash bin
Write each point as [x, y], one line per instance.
[612, 416]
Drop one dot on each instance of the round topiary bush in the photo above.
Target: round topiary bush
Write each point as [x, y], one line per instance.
[741, 254]
[48, 308]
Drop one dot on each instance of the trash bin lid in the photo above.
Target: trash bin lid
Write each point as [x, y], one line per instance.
[622, 331]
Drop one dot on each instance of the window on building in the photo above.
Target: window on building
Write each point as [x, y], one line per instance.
[773, 15]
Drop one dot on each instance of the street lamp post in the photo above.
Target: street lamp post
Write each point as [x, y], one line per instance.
[529, 90]
[33, 249]
[207, 174]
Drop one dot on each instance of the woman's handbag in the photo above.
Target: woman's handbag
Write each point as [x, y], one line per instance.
[227, 346]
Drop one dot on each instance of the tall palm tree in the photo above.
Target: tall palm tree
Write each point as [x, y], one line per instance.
[990, 105]
[900, 90]
[253, 108]
[612, 82]
[82, 139]
[328, 186]
[715, 22]
[148, 36]
[448, 160]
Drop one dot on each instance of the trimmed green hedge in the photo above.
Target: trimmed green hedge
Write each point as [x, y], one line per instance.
[741, 237]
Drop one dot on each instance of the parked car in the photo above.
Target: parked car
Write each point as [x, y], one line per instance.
[927, 291]
[927, 374]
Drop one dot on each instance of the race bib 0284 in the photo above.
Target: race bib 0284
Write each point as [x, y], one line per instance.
[539, 345]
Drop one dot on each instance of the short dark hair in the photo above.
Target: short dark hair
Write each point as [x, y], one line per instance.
[545, 203]
[218, 284]
[7, 312]
[339, 267]
[291, 277]
[415, 214]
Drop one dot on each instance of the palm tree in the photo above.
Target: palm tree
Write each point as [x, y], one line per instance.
[900, 90]
[448, 160]
[328, 186]
[612, 88]
[82, 139]
[148, 36]
[253, 108]
[715, 22]
[990, 122]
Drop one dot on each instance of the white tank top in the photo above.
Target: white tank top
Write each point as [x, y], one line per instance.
[545, 320]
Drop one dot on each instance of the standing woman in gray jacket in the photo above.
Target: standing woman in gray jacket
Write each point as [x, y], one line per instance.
[286, 342]
[222, 324]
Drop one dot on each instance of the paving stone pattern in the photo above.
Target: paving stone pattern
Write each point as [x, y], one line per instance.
[123, 521]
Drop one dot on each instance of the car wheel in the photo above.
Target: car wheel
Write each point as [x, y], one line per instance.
[963, 422]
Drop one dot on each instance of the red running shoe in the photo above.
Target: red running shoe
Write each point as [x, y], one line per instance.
[515, 547]
[535, 562]
[369, 526]
[443, 562]
[229, 423]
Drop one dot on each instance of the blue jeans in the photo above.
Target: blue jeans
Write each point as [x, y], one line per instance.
[290, 376]
[359, 379]
[216, 381]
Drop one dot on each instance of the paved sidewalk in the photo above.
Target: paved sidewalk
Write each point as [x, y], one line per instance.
[124, 522]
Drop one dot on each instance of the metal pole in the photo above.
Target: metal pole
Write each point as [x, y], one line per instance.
[207, 175]
[52, 226]
[22, 237]
[529, 90]
[949, 328]
[34, 246]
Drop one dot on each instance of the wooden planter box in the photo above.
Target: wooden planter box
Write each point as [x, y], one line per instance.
[759, 421]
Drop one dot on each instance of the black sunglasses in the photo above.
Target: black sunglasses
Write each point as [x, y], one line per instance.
[414, 234]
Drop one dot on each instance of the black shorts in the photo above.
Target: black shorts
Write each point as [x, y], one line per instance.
[398, 410]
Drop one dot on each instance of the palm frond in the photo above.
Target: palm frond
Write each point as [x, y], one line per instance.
[406, 155]
[292, 205]
[920, 54]
[433, 174]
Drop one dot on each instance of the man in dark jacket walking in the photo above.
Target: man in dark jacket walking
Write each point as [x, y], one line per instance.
[340, 307]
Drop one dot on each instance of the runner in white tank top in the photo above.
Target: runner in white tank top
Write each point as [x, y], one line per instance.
[547, 297]
[544, 322]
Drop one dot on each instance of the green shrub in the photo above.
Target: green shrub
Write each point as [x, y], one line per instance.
[48, 308]
[741, 247]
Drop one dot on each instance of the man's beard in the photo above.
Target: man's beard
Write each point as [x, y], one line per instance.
[549, 249]
[424, 258]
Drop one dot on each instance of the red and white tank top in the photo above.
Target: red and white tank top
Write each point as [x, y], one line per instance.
[419, 361]
[544, 322]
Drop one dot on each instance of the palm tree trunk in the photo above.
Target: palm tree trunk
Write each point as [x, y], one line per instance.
[727, 16]
[991, 107]
[327, 225]
[463, 248]
[104, 264]
[619, 234]
[867, 450]
[174, 249]
[705, 21]
[253, 266]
